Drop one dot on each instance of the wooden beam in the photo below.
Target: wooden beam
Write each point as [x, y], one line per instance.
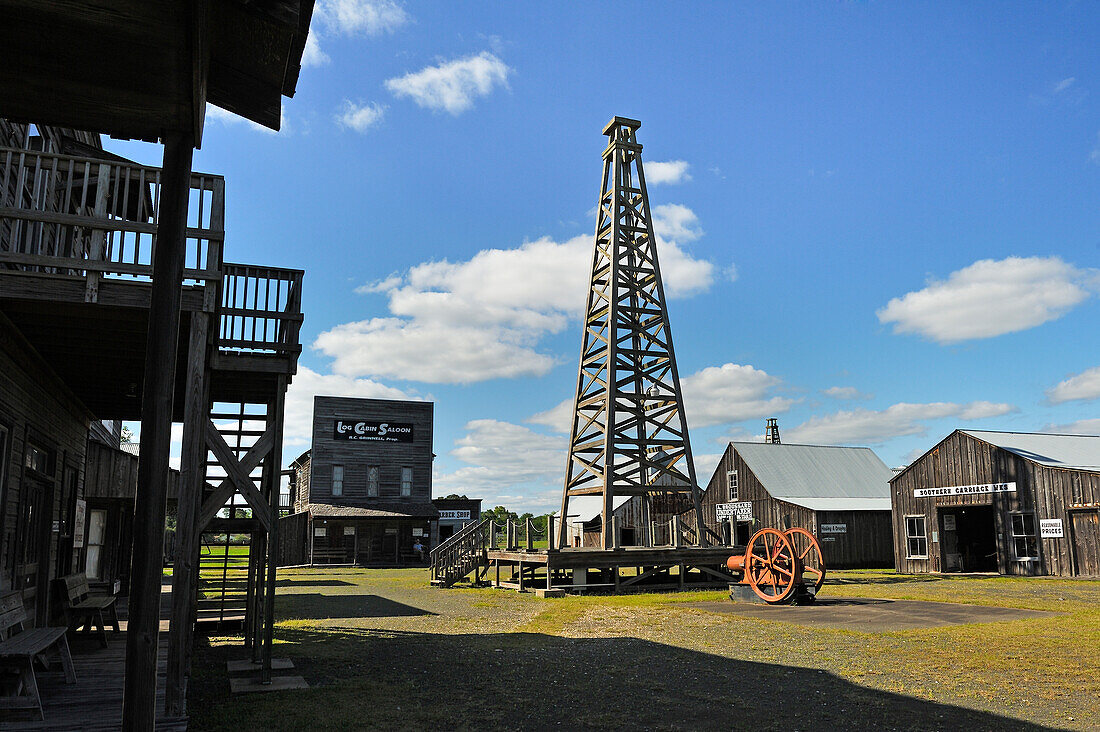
[227, 487]
[139, 696]
[191, 483]
[275, 413]
[240, 477]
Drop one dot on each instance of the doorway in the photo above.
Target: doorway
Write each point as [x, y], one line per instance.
[969, 539]
[1085, 527]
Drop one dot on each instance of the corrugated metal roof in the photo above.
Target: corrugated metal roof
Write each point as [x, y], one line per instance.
[130, 447]
[820, 477]
[1078, 452]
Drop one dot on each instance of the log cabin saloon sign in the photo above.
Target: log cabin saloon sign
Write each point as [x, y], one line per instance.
[964, 490]
[372, 431]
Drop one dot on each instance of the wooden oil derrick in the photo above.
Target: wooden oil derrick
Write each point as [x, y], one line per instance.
[629, 435]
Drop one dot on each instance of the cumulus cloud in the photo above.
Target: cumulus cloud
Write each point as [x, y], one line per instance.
[1084, 386]
[507, 464]
[873, 427]
[715, 395]
[298, 410]
[359, 117]
[676, 222]
[483, 318]
[452, 86]
[990, 298]
[672, 171]
[350, 18]
[843, 392]
[228, 119]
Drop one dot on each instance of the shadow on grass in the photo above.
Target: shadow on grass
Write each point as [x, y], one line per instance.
[366, 678]
[323, 607]
[908, 579]
[312, 582]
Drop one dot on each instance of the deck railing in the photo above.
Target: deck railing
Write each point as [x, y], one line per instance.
[95, 218]
[260, 310]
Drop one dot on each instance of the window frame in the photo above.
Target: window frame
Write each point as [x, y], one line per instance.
[88, 543]
[733, 486]
[337, 486]
[5, 451]
[405, 489]
[373, 475]
[1032, 538]
[922, 537]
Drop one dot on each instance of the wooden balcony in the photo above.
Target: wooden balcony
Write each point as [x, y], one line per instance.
[77, 236]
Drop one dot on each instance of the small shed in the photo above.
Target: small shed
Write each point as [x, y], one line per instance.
[840, 494]
[1008, 502]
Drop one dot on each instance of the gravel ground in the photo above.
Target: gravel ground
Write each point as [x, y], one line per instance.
[380, 648]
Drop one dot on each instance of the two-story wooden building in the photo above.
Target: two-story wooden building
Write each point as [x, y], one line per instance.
[366, 482]
[1008, 502]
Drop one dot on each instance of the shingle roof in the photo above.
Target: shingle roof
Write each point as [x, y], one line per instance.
[379, 509]
[1077, 452]
[820, 477]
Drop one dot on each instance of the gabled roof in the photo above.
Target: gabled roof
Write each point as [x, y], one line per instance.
[1076, 452]
[820, 477]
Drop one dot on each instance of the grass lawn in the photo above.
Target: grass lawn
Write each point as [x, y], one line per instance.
[380, 648]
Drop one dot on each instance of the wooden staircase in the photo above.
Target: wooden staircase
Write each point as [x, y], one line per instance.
[463, 553]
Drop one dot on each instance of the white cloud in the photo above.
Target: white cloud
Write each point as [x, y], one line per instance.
[298, 410]
[676, 222]
[672, 171]
[1080, 427]
[990, 298]
[715, 395]
[226, 118]
[452, 86]
[1083, 386]
[507, 464]
[731, 393]
[360, 117]
[843, 392]
[362, 17]
[1064, 84]
[873, 427]
[350, 18]
[483, 318]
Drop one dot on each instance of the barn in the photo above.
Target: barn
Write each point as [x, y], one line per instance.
[1008, 502]
[840, 494]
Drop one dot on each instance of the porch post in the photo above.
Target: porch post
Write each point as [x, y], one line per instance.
[139, 695]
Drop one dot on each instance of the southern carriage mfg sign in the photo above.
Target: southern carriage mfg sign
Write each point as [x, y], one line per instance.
[741, 511]
[372, 431]
[964, 490]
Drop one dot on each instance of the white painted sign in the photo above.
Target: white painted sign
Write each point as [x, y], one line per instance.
[455, 515]
[320, 531]
[418, 532]
[949, 522]
[965, 490]
[1050, 528]
[741, 511]
[349, 531]
[828, 538]
[834, 528]
[78, 523]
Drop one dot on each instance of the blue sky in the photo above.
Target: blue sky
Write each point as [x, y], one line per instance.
[878, 221]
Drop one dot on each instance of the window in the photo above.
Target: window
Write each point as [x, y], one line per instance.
[337, 480]
[406, 481]
[1024, 543]
[38, 459]
[3, 461]
[916, 538]
[97, 530]
[372, 480]
[731, 481]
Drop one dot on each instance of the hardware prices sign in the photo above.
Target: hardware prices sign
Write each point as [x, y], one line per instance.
[367, 430]
[964, 490]
[741, 511]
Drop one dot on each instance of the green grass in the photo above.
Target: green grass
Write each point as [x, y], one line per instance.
[382, 649]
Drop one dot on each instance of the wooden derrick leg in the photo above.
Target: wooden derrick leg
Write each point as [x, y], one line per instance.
[275, 413]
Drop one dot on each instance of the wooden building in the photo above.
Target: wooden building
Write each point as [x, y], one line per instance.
[840, 494]
[454, 514]
[366, 482]
[1008, 502]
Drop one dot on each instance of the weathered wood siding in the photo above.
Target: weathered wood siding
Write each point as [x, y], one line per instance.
[961, 459]
[35, 406]
[356, 457]
[867, 542]
[293, 535]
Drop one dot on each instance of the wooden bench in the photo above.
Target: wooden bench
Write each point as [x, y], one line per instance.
[19, 650]
[83, 609]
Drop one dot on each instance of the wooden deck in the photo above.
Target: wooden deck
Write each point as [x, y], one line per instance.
[94, 702]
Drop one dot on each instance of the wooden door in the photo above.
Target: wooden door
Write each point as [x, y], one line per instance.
[1085, 530]
[32, 551]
